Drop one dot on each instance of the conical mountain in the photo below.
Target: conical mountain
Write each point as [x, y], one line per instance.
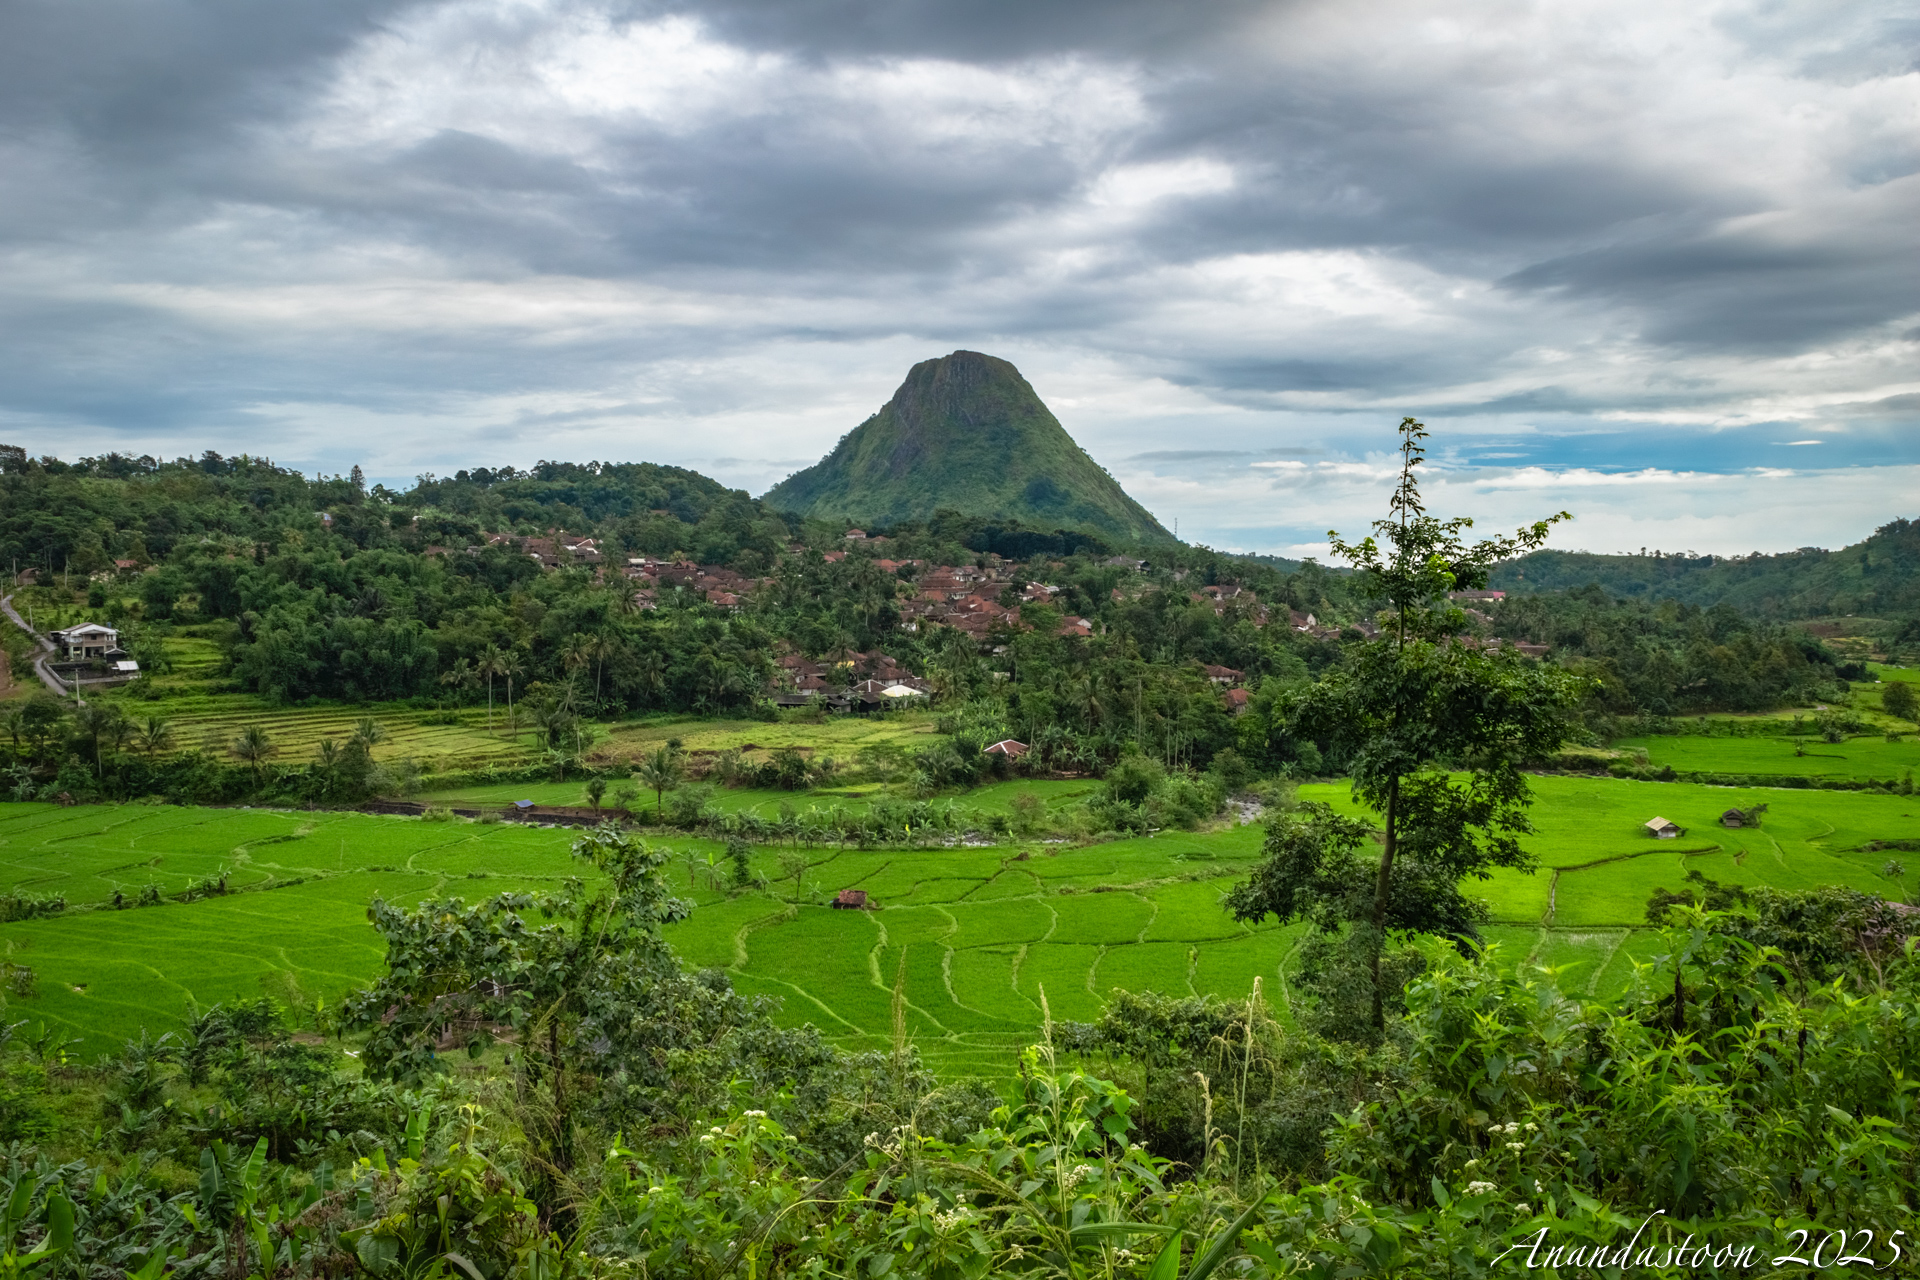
[967, 433]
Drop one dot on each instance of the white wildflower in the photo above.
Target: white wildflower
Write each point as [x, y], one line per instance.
[1473, 1164]
[706, 1137]
[1532, 1127]
[960, 1216]
[1524, 1209]
[1516, 1146]
[1480, 1188]
[1538, 1189]
[757, 1115]
[873, 1139]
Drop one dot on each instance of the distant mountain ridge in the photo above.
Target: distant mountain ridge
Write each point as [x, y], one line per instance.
[965, 432]
[1879, 577]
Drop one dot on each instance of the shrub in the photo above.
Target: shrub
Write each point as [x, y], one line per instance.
[689, 806]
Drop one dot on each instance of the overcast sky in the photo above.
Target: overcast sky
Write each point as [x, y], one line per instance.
[1654, 263]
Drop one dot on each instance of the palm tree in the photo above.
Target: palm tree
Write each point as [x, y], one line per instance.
[368, 733]
[460, 677]
[156, 735]
[255, 747]
[513, 666]
[659, 773]
[604, 645]
[98, 721]
[326, 763]
[653, 672]
[492, 663]
[575, 653]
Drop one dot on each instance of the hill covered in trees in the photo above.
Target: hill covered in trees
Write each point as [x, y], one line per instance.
[965, 432]
[1878, 577]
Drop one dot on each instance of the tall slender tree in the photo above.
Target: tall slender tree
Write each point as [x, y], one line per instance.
[492, 663]
[1437, 728]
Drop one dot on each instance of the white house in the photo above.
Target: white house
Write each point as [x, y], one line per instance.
[87, 642]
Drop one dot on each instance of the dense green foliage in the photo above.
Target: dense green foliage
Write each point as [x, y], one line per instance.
[1756, 1079]
[965, 432]
[1879, 577]
[1664, 658]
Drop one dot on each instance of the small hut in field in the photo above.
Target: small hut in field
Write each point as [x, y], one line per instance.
[1663, 829]
[851, 900]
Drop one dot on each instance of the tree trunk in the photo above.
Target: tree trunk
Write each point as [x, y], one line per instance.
[560, 1127]
[1380, 904]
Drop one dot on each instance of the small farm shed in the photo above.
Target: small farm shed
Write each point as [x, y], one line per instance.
[851, 900]
[1009, 748]
[1662, 829]
[1733, 818]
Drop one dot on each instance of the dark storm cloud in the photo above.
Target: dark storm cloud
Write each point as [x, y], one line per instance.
[1774, 283]
[216, 215]
[981, 30]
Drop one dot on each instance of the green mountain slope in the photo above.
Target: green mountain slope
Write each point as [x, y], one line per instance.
[967, 433]
[1877, 577]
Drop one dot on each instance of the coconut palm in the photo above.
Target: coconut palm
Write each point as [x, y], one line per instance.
[493, 663]
[368, 733]
[255, 747]
[156, 735]
[575, 652]
[460, 677]
[603, 646]
[659, 773]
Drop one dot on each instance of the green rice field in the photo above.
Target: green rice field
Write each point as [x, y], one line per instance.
[978, 932]
[1861, 756]
[997, 797]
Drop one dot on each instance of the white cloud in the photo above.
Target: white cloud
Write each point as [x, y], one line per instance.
[1631, 245]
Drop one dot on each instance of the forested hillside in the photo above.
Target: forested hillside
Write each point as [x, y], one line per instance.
[1879, 577]
[965, 432]
[598, 590]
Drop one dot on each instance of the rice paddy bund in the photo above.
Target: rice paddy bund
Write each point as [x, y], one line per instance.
[977, 932]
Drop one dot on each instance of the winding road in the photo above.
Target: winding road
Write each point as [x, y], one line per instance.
[43, 651]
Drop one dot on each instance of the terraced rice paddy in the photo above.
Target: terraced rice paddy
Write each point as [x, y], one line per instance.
[978, 933]
[205, 715]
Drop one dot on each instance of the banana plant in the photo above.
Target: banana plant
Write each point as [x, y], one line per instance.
[57, 1213]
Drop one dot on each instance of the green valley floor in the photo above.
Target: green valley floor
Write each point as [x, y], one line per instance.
[979, 933]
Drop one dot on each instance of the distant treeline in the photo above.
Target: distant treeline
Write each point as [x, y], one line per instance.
[1666, 658]
[1879, 577]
